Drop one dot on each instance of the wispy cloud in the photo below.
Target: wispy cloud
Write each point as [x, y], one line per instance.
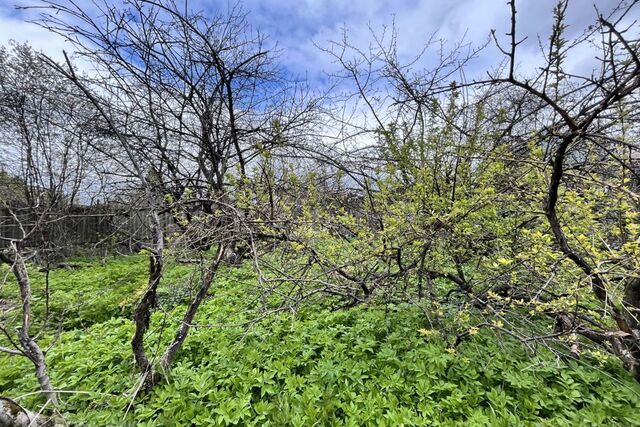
[297, 27]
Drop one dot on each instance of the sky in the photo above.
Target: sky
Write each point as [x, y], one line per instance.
[299, 27]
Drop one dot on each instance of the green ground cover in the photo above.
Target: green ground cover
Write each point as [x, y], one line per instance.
[372, 365]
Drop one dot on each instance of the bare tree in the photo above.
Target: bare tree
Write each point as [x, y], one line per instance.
[192, 102]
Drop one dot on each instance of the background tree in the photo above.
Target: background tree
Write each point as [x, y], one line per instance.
[45, 147]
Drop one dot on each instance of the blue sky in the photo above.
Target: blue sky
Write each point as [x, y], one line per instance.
[297, 26]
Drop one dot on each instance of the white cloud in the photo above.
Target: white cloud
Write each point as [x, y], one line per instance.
[296, 25]
[14, 27]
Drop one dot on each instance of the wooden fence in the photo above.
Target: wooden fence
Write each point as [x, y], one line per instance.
[82, 227]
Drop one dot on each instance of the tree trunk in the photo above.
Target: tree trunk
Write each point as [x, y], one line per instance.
[14, 415]
[185, 324]
[142, 313]
[29, 346]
